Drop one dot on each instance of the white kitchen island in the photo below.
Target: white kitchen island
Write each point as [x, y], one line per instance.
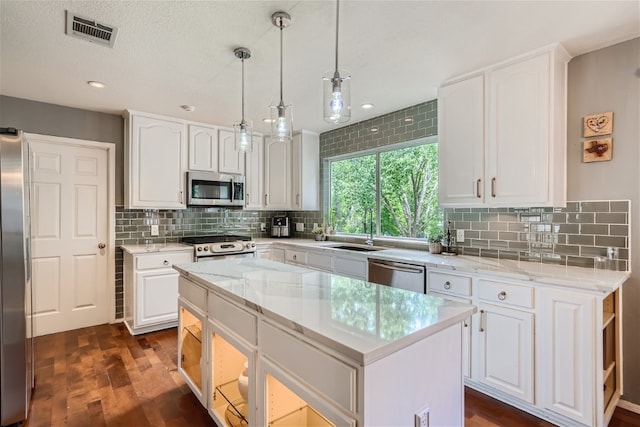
[265, 343]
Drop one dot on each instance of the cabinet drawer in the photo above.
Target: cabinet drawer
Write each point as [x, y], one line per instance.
[449, 284]
[233, 317]
[162, 260]
[505, 293]
[331, 377]
[295, 257]
[195, 294]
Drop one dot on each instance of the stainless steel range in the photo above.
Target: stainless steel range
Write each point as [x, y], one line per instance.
[218, 246]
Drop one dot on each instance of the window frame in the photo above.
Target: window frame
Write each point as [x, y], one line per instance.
[377, 151]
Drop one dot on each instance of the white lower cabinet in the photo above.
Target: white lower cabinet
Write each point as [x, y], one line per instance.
[350, 266]
[552, 352]
[504, 343]
[568, 363]
[151, 290]
[320, 260]
[269, 252]
[457, 288]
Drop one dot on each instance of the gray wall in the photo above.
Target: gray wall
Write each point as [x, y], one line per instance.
[600, 81]
[56, 120]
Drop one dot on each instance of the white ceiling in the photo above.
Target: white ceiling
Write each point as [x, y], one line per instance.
[170, 53]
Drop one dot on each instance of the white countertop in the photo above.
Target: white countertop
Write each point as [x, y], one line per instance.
[361, 320]
[158, 247]
[578, 278]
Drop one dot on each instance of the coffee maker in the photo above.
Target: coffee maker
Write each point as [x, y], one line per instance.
[280, 226]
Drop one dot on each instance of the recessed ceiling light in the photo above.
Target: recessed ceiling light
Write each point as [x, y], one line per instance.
[408, 120]
[373, 130]
[266, 120]
[188, 108]
[366, 106]
[98, 85]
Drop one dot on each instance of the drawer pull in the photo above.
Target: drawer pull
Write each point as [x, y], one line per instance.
[502, 296]
[447, 285]
[165, 262]
[295, 257]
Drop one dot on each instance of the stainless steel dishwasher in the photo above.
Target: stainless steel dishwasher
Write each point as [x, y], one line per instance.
[401, 275]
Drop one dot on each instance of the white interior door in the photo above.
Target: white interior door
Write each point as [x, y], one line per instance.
[69, 235]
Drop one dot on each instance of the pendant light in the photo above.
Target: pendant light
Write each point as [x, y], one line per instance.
[337, 88]
[242, 131]
[281, 121]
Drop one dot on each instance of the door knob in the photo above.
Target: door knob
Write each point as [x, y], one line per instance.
[101, 246]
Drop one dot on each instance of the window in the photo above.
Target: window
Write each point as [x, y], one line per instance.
[396, 185]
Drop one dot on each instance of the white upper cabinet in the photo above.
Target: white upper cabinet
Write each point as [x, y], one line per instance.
[277, 175]
[203, 148]
[522, 126]
[155, 162]
[230, 160]
[305, 164]
[461, 148]
[254, 175]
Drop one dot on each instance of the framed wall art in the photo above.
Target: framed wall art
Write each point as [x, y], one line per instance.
[597, 150]
[598, 124]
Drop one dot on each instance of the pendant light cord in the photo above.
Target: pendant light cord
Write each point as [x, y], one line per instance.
[242, 121]
[337, 26]
[281, 78]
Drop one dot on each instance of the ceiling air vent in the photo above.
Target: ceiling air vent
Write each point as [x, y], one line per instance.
[90, 30]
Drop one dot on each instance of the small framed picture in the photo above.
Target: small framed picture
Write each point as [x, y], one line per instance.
[598, 124]
[597, 150]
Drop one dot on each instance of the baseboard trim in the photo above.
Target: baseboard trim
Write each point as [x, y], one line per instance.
[629, 406]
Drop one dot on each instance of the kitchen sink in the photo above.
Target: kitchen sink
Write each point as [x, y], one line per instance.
[357, 248]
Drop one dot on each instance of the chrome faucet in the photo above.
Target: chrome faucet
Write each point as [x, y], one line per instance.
[369, 241]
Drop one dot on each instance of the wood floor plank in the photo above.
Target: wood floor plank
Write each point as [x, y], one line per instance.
[104, 377]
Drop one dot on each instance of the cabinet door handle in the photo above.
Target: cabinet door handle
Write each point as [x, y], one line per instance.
[297, 200]
[502, 296]
[478, 182]
[482, 320]
[493, 187]
[165, 262]
[101, 246]
[181, 194]
[295, 256]
[447, 285]
[265, 199]
[465, 324]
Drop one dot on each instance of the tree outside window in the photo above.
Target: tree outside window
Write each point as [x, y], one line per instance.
[406, 192]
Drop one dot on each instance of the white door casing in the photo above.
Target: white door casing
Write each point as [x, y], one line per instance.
[72, 233]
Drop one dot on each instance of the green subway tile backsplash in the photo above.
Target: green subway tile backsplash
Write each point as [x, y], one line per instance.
[572, 236]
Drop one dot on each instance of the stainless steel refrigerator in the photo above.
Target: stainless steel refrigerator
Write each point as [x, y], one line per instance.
[16, 343]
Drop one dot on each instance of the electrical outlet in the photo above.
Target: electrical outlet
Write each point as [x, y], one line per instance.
[263, 226]
[155, 230]
[421, 418]
[460, 235]
[315, 225]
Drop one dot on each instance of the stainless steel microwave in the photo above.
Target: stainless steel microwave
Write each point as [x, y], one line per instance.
[214, 189]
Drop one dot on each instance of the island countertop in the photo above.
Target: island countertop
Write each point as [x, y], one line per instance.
[363, 321]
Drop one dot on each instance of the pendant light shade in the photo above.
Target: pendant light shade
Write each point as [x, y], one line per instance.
[242, 133]
[337, 88]
[281, 114]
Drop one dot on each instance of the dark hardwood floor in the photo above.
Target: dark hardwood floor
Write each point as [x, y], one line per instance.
[102, 376]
